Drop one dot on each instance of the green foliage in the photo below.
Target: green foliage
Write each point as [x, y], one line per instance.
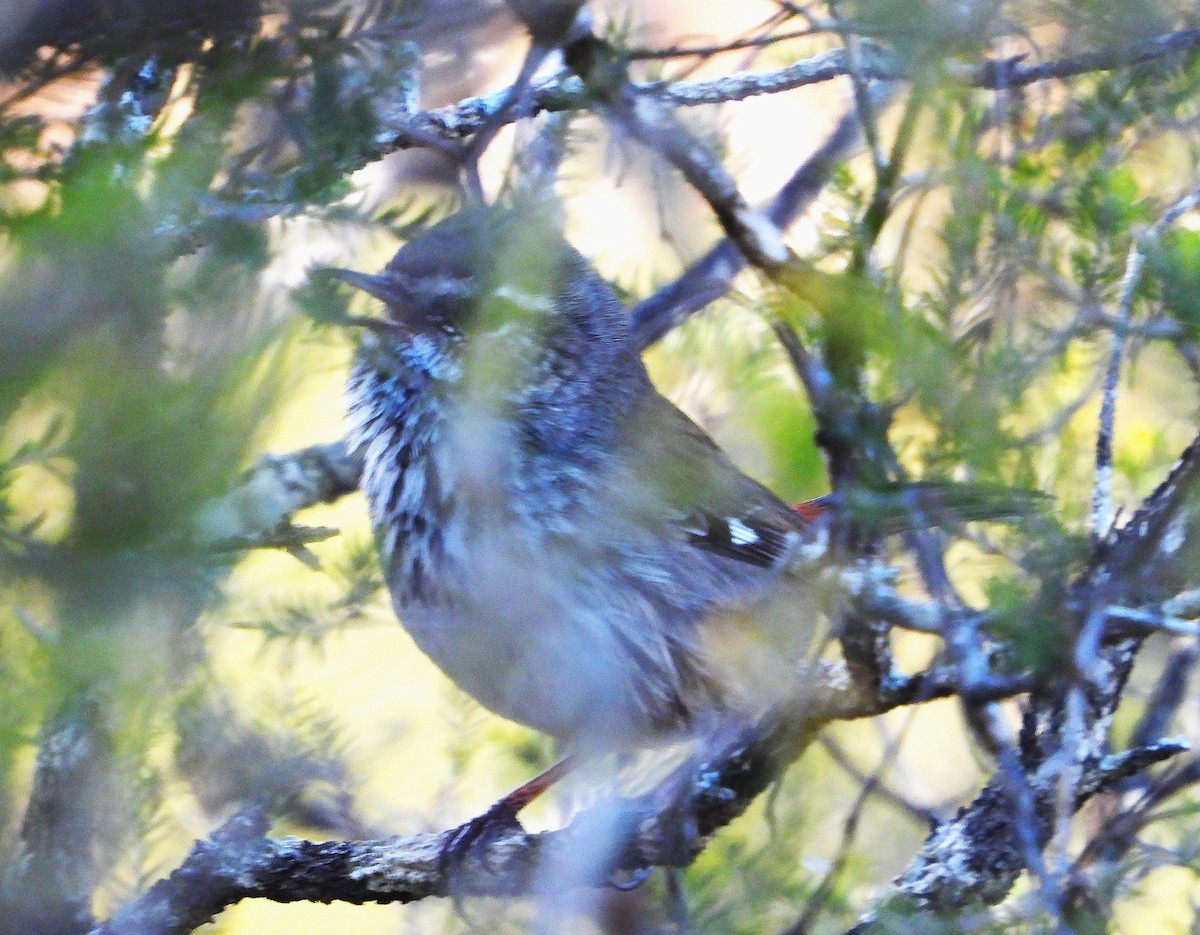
[309, 621]
[141, 358]
[1036, 639]
[1112, 22]
[150, 329]
[1174, 261]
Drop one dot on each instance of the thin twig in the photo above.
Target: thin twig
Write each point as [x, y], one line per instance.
[816, 903]
[650, 120]
[1102, 502]
[920, 813]
[711, 276]
[708, 51]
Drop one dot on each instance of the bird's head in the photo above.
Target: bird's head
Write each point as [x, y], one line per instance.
[476, 271]
[498, 295]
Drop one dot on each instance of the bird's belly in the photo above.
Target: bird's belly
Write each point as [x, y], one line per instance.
[524, 651]
[559, 650]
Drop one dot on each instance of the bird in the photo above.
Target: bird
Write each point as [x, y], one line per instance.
[563, 542]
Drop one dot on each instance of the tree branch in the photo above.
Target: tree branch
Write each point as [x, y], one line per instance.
[649, 119]
[874, 62]
[259, 511]
[1102, 506]
[51, 886]
[975, 858]
[237, 862]
[711, 276]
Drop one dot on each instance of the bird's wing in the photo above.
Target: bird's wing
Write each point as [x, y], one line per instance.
[724, 512]
[696, 490]
[709, 550]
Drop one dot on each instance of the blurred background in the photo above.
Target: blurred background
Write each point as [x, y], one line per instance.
[171, 173]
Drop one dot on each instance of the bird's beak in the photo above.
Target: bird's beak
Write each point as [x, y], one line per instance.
[387, 288]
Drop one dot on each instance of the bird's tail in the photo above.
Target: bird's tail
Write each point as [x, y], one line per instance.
[924, 504]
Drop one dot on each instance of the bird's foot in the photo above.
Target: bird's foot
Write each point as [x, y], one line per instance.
[470, 841]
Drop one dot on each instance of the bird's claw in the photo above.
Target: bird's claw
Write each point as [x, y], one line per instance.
[470, 841]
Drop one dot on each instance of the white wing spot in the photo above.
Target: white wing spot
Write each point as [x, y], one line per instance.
[740, 533]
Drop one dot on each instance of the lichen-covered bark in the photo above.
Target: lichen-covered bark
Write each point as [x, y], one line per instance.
[975, 858]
